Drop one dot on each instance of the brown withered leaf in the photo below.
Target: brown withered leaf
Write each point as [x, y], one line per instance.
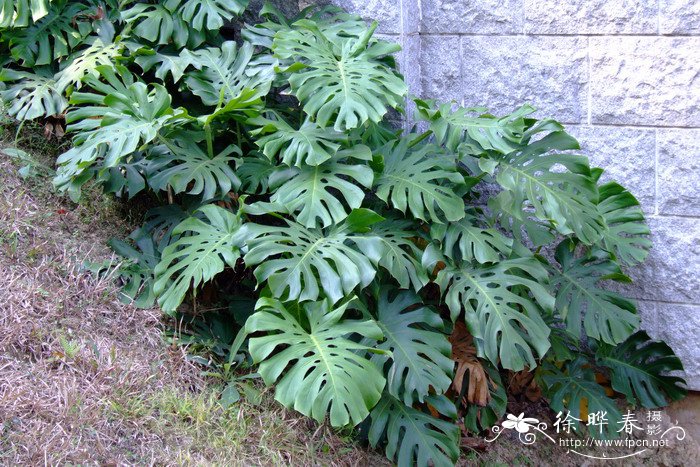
[439, 266]
[605, 382]
[473, 443]
[54, 127]
[433, 411]
[533, 391]
[228, 202]
[468, 365]
[523, 382]
[518, 381]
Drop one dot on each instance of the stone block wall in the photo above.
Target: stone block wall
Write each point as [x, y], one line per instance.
[623, 75]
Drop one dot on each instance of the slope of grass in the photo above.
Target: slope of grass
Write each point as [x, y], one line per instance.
[85, 379]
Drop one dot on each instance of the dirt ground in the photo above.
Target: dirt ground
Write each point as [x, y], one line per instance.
[85, 379]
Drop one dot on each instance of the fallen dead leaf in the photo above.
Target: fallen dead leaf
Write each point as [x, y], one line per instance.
[468, 366]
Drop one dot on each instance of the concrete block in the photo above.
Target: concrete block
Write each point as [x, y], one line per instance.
[503, 72]
[591, 16]
[645, 80]
[386, 12]
[411, 66]
[679, 326]
[472, 16]
[441, 68]
[411, 16]
[679, 17]
[670, 273]
[626, 154]
[648, 314]
[679, 172]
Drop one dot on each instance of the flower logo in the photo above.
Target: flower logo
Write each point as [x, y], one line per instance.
[520, 423]
[525, 427]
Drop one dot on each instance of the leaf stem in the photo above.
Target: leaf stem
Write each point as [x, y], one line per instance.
[210, 141]
[420, 138]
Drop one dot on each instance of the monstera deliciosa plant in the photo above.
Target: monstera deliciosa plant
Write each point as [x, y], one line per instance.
[400, 276]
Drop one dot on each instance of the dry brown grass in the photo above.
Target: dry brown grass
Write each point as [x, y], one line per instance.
[85, 379]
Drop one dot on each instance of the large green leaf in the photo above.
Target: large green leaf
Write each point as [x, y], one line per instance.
[127, 179]
[254, 171]
[414, 437]
[467, 241]
[227, 75]
[307, 257]
[475, 127]
[196, 258]
[310, 144]
[86, 62]
[420, 180]
[417, 348]
[531, 178]
[640, 368]
[20, 13]
[122, 115]
[360, 221]
[158, 25]
[163, 63]
[195, 172]
[320, 193]
[527, 229]
[567, 387]
[33, 95]
[605, 315]
[207, 14]
[52, 37]
[316, 367]
[389, 244]
[501, 304]
[136, 272]
[340, 79]
[272, 21]
[328, 17]
[161, 221]
[626, 235]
